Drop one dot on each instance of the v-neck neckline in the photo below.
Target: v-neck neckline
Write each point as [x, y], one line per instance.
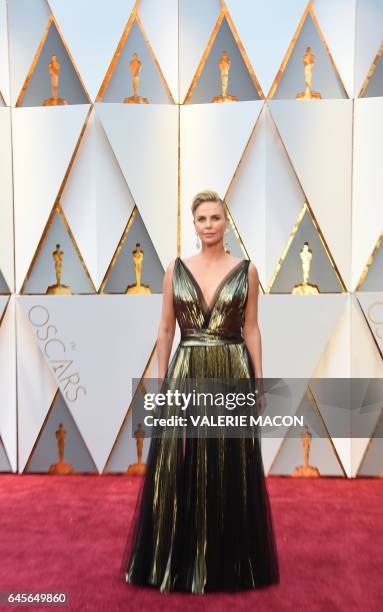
[208, 308]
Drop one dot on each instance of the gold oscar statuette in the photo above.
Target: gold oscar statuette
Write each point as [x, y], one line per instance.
[58, 288]
[61, 467]
[308, 62]
[138, 255]
[306, 288]
[135, 67]
[54, 69]
[138, 469]
[224, 67]
[306, 469]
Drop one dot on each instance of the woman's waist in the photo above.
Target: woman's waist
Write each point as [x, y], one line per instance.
[207, 337]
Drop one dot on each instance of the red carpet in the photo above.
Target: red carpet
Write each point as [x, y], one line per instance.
[68, 534]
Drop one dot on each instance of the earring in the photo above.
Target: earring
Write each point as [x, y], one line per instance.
[225, 244]
[198, 241]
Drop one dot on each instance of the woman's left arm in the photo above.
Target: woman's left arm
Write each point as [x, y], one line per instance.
[251, 332]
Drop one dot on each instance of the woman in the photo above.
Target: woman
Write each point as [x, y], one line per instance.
[203, 521]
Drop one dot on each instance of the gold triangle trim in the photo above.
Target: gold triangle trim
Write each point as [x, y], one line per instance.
[308, 10]
[223, 14]
[369, 263]
[58, 391]
[51, 20]
[134, 16]
[372, 438]
[130, 408]
[312, 401]
[370, 73]
[57, 209]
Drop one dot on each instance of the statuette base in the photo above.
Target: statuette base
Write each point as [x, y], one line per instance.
[306, 470]
[55, 102]
[137, 469]
[61, 468]
[305, 289]
[136, 100]
[58, 290]
[225, 99]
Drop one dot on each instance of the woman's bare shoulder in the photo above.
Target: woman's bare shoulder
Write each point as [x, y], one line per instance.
[253, 272]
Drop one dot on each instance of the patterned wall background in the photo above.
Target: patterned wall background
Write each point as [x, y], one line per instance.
[99, 153]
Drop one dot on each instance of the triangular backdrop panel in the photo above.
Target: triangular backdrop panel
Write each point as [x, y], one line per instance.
[44, 141]
[144, 138]
[337, 22]
[39, 85]
[321, 273]
[6, 199]
[322, 454]
[45, 452]
[372, 279]
[105, 23]
[324, 77]
[367, 209]
[164, 39]
[368, 37]
[120, 85]
[96, 369]
[4, 54]
[8, 391]
[220, 133]
[371, 304]
[306, 325]
[240, 82]
[374, 86]
[3, 285]
[372, 463]
[5, 466]
[196, 23]
[27, 22]
[42, 274]
[318, 140]
[252, 19]
[96, 181]
[122, 272]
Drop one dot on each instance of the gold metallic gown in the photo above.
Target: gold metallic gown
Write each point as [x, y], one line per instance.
[203, 521]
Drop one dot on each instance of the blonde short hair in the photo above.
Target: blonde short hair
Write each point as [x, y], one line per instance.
[207, 196]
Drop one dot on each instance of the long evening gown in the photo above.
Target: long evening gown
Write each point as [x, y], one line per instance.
[202, 521]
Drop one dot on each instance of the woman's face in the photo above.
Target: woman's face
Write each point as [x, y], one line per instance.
[210, 222]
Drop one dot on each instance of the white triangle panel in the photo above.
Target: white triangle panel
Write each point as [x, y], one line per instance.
[4, 59]
[213, 139]
[93, 45]
[96, 200]
[8, 380]
[144, 139]
[36, 386]
[255, 21]
[96, 334]
[337, 22]
[163, 38]
[295, 330]
[27, 20]
[367, 182]
[6, 199]
[318, 139]
[44, 140]
[335, 360]
[368, 37]
[196, 23]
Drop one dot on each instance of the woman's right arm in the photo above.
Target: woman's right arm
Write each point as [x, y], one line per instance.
[167, 325]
